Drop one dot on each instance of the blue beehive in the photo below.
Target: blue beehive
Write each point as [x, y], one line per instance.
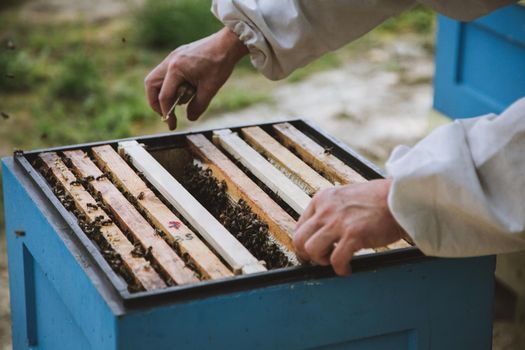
[64, 295]
[480, 65]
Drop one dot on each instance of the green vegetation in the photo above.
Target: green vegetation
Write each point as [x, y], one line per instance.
[78, 79]
[419, 19]
[19, 71]
[167, 24]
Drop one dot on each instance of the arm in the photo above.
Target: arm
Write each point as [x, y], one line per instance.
[461, 190]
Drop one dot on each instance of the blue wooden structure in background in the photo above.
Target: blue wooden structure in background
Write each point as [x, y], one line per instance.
[480, 65]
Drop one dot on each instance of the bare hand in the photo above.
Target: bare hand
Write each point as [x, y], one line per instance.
[342, 220]
[205, 64]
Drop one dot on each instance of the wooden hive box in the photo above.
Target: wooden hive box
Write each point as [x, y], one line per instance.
[184, 241]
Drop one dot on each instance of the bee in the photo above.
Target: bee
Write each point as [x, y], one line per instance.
[88, 179]
[92, 206]
[328, 150]
[106, 222]
[103, 176]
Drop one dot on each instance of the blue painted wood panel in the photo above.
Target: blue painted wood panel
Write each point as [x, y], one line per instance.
[436, 304]
[480, 65]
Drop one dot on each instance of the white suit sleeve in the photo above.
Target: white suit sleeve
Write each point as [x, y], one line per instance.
[283, 35]
[461, 190]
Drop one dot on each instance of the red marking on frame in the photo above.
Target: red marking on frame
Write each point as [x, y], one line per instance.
[174, 224]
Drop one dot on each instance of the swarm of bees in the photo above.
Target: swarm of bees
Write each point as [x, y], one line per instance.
[237, 218]
[92, 229]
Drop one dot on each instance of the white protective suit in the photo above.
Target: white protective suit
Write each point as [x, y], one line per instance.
[458, 192]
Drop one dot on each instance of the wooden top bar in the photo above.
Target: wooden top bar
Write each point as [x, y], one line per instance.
[280, 224]
[276, 181]
[280, 155]
[129, 218]
[399, 244]
[316, 156]
[233, 252]
[162, 217]
[140, 269]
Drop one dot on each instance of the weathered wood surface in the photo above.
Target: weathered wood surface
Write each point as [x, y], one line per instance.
[281, 156]
[229, 248]
[275, 180]
[138, 267]
[159, 214]
[316, 156]
[399, 244]
[280, 224]
[365, 251]
[129, 218]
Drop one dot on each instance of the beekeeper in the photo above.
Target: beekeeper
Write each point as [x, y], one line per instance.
[459, 192]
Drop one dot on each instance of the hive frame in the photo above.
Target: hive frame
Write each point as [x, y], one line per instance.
[111, 286]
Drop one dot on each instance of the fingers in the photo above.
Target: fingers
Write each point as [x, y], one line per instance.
[308, 213]
[302, 234]
[168, 92]
[200, 102]
[320, 246]
[342, 255]
[152, 91]
[172, 121]
[153, 83]
[183, 94]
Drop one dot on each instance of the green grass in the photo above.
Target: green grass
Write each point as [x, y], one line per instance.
[167, 24]
[78, 79]
[19, 71]
[419, 19]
